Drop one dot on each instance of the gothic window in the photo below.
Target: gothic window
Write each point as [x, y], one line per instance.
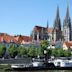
[65, 32]
[39, 36]
[35, 37]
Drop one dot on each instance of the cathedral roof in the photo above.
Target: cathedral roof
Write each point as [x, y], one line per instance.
[39, 29]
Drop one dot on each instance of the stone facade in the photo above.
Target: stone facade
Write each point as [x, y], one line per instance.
[39, 33]
[56, 33]
[67, 26]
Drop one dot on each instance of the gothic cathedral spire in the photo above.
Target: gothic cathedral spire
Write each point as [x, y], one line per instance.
[57, 15]
[67, 25]
[47, 24]
[57, 23]
[57, 27]
[67, 12]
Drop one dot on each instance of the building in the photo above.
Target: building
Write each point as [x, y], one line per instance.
[67, 26]
[57, 33]
[23, 39]
[67, 45]
[19, 39]
[39, 33]
[50, 31]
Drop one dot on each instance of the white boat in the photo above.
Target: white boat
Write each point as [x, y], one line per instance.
[17, 66]
[20, 65]
[62, 63]
[37, 63]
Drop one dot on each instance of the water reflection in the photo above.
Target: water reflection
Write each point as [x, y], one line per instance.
[45, 71]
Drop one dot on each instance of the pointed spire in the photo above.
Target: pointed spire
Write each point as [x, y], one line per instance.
[47, 24]
[67, 12]
[67, 17]
[57, 15]
[57, 23]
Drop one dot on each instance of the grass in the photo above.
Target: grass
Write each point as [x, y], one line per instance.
[4, 67]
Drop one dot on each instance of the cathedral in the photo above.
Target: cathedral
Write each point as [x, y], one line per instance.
[57, 33]
[64, 34]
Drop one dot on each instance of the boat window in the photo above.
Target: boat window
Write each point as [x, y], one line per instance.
[58, 63]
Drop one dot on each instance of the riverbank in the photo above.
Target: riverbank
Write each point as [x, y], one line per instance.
[39, 68]
[4, 68]
[7, 68]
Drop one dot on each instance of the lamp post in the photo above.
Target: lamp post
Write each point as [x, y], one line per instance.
[45, 55]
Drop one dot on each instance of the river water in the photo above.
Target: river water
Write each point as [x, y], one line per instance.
[45, 71]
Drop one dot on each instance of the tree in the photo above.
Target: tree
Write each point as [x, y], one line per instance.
[54, 52]
[32, 52]
[22, 51]
[39, 52]
[2, 50]
[49, 52]
[57, 52]
[12, 51]
[44, 44]
[67, 53]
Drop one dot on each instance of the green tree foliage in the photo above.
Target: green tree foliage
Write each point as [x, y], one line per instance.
[2, 50]
[39, 52]
[32, 52]
[49, 52]
[12, 50]
[22, 51]
[59, 52]
[44, 44]
[67, 53]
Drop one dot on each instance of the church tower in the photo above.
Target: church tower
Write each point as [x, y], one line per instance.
[67, 26]
[57, 33]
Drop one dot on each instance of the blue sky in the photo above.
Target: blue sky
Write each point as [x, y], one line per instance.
[20, 16]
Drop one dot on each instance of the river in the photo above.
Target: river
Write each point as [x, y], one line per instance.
[45, 71]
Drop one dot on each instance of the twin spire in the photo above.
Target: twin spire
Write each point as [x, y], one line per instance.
[67, 12]
[57, 20]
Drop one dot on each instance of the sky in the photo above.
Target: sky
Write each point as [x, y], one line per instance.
[20, 16]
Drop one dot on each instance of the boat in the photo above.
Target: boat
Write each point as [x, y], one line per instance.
[37, 62]
[62, 63]
[20, 65]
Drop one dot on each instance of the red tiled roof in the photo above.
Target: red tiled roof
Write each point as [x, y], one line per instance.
[23, 38]
[68, 44]
[7, 38]
[1, 39]
[16, 39]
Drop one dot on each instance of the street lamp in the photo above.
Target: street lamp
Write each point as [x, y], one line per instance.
[45, 54]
